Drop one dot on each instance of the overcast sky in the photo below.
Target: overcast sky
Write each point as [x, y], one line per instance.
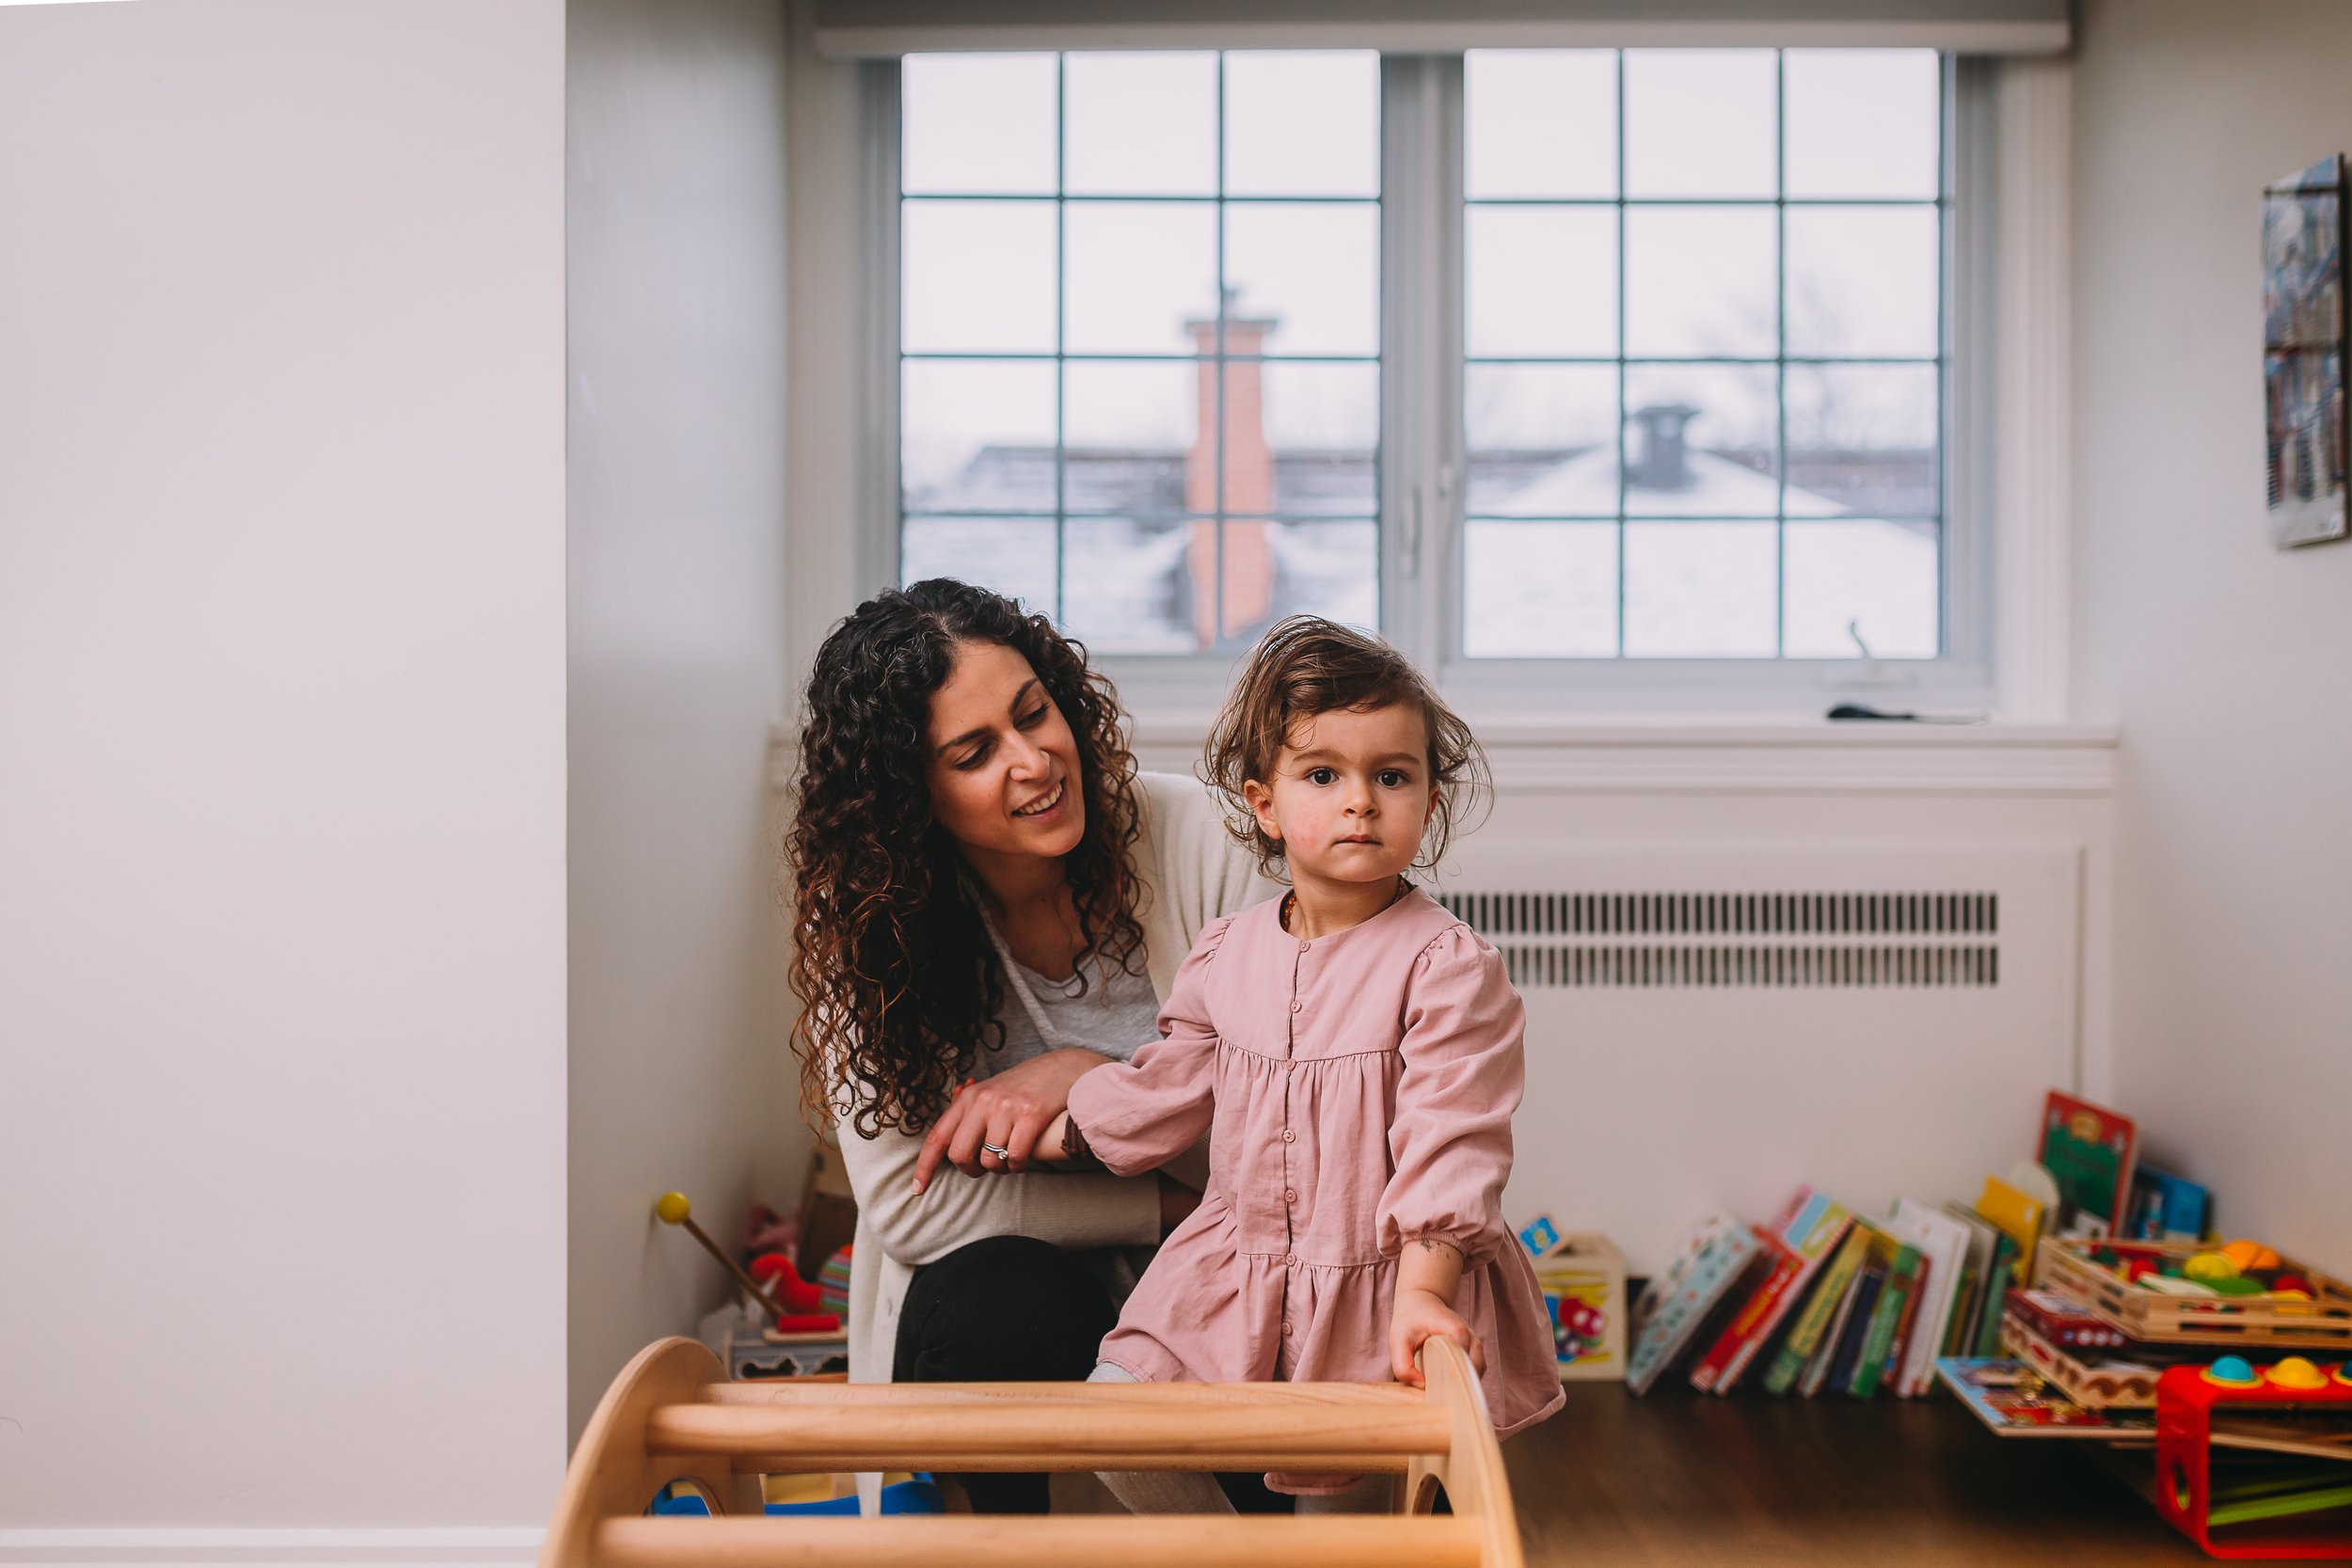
[1540, 125]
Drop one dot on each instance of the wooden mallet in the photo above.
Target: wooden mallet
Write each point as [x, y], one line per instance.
[673, 1210]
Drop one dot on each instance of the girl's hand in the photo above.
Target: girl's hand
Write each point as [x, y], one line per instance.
[1417, 1317]
[1009, 1110]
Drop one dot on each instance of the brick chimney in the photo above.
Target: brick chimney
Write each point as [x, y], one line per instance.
[1248, 595]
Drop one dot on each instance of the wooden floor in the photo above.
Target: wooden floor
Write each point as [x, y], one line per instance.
[1685, 1480]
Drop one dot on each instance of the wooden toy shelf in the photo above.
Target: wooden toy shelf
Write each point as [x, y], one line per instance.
[669, 1416]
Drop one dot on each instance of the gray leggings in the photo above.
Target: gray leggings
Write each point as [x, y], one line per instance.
[1197, 1491]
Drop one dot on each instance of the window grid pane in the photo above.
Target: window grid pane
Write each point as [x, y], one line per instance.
[1179, 518]
[1851, 452]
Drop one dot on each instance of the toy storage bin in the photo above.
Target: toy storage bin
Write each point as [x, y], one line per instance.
[1582, 1276]
[2324, 1322]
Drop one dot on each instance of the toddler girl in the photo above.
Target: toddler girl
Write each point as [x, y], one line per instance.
[1355, 1052]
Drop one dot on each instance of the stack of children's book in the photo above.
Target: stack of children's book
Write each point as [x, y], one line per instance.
[1824, 1299]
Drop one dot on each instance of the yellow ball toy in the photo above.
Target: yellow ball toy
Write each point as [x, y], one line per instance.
[2297, 1371]
[2210, 1265]
[672, 1208]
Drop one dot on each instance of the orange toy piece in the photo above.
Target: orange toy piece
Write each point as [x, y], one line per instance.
[2249, 1256]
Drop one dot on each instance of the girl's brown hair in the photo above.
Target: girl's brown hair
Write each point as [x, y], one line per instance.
[898, 984]
[1305, 666]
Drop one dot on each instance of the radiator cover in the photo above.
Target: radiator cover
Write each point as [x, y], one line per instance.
[1711, 1024]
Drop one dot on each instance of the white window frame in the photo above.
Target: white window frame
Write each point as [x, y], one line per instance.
[2004, 614]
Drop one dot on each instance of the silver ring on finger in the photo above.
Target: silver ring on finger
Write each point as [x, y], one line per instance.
[1000, 1153]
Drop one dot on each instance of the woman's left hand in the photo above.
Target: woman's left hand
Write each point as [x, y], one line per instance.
[1008, 1110]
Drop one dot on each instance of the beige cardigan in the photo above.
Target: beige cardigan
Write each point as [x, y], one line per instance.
[1192, 871]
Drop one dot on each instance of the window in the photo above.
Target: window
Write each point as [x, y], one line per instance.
[1139, 337]
[1687, 409]
[1703, 323]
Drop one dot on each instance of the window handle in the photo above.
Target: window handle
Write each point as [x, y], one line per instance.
[1409, 539]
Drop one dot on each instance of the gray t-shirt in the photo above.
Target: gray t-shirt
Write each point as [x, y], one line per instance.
[1113, 1015]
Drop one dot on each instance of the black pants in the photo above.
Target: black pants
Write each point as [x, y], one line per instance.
[1015, 1310]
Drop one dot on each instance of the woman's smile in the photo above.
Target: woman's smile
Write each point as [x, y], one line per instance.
[1047, 805]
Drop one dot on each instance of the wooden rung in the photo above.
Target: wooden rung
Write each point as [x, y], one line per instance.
[996, 1457]
[1086, 1436]
[1056, 1540]
[1357, 1397]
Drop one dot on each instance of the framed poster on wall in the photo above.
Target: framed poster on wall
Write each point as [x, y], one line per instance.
[2304, 351]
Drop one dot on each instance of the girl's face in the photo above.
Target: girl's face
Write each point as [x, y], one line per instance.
[1350, 794]
[1003, 765]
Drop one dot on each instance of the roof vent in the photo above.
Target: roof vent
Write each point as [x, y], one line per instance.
[1662, 460]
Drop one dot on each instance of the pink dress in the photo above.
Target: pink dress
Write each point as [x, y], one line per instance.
[1358, 1090]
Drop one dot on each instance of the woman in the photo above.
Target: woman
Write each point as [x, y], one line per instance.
[986, 890]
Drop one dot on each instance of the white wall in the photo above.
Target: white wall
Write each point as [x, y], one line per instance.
[281, 765]
[832, 386]
[2225, 661]
[679, 1076]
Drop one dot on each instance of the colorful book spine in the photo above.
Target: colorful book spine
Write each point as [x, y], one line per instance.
[1962, 1323]
[1807, 1232]
[1706, 1267]
[1899, 1292]
[1812, 1320]
[1915, 1314]
[2017, 1214]
[1715, 1368]
[1988, 1346]
[2168, 1207]
[1848, 1355]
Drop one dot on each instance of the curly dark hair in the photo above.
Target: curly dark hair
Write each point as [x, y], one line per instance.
[1307, 665]
[899, 983]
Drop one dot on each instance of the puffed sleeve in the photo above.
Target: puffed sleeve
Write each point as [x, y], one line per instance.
[1450, 1144]
[1140, 1114]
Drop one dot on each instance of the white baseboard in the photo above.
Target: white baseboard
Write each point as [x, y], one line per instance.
[487, 1546]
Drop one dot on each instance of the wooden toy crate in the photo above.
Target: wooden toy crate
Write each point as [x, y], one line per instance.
[1582, 1279]
[2324, 1322]
[2090, 1385]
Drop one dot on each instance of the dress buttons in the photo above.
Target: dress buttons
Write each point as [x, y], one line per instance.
[1289, 1136]
[1298, 1006]
[1304, 946]
[1289, 1259]
[1286, 1330]
[1290, 1197]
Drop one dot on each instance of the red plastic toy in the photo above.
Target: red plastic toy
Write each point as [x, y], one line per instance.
[785, 1284]
[2270, 1524]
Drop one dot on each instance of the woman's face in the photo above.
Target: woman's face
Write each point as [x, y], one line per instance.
[1003, 766]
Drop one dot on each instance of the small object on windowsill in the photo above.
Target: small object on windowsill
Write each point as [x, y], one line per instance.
[1859, 710]
[1871, 671]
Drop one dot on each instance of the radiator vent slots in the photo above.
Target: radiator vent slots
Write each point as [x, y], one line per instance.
[1787, 938]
